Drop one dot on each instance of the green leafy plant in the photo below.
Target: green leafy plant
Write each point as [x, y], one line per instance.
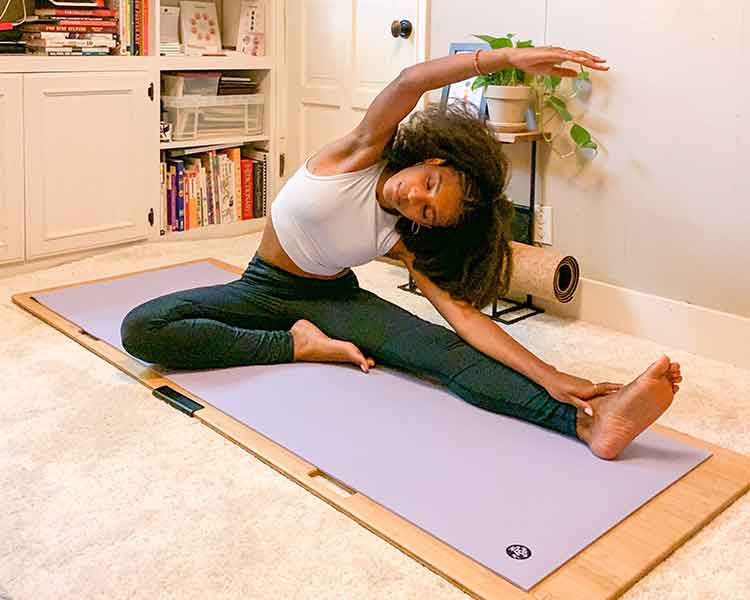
[509, 76]
[549, 97]
[546, 91]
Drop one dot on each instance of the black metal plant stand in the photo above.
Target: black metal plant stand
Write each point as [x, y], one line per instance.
[518, 311]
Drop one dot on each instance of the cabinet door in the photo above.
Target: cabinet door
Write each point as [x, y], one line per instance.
[91, 145]
[11, 169]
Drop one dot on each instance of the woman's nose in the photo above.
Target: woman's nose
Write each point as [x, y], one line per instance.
[414, 194]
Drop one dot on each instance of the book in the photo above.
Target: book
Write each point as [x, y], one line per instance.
[199, 25]
[194, 164]
[234, 155]
[250, 36]
[71, 3]
[207, 167]
[162, 199]
[75, 12]
[260, 179]
[44, 27]
[70, 43]
[180, 207]
[247, 189]
[172, 197]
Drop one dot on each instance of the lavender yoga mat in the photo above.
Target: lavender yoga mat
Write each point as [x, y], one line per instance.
[516, 498]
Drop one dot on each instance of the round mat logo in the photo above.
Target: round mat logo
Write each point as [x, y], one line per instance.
[518, 552]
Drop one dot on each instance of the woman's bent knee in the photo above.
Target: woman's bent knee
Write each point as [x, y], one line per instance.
[137, 331]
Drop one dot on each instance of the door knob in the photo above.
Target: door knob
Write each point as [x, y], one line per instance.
[401, 28]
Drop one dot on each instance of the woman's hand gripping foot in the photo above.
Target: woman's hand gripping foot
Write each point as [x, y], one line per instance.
[619, 417]
[312, 345]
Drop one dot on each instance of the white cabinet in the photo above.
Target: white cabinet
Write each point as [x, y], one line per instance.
[90, 173]
[11, 169]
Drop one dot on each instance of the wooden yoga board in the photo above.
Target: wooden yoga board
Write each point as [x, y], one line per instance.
[604, 569]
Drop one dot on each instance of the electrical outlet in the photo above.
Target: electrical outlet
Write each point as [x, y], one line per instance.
[543, 225]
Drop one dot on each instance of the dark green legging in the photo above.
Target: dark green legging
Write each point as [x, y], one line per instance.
[247, 322]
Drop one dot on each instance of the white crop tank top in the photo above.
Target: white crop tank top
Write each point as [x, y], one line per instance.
[328, 223]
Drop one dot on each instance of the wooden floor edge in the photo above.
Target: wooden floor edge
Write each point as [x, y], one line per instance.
[482, 583]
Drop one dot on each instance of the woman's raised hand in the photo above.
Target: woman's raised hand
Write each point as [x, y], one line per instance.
[547, 60]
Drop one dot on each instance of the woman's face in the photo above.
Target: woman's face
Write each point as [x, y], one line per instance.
[428, 194]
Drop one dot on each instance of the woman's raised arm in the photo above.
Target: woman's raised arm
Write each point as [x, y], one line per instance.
[400, 97]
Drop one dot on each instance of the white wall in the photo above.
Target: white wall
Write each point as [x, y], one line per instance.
[665, 208]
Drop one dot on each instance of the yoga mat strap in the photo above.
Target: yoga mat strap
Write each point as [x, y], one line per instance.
[177, 400]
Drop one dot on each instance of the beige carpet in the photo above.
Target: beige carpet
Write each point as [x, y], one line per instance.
[109, 493]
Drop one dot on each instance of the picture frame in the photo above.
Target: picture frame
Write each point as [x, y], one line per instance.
[199, 26]
[251, 28]
[462, 90]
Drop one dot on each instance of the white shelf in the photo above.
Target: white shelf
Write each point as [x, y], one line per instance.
[232, 60]
[218, 141]
[217, 231]
[513, 138]
[22, 63]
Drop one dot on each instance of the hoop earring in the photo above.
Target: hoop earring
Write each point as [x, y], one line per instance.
[415, 231]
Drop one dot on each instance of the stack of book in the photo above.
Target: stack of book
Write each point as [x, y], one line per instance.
[212, 187]
[235, 84]
[60, 28]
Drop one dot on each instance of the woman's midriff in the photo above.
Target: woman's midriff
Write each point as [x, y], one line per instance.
[271, 251]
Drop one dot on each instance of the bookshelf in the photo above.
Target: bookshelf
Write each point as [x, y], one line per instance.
[231, 62]
[218, 141]
[107, 109]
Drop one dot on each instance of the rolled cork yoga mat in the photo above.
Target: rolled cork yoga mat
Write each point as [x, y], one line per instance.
[543, 273]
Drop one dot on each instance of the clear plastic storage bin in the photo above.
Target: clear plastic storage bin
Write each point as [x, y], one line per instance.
[200, 83]
[194, 117]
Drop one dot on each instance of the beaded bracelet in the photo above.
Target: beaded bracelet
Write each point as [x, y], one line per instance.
[476, 62]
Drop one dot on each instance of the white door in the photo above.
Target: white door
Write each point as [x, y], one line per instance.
[340, 54]
[91, 143]
[11, 169]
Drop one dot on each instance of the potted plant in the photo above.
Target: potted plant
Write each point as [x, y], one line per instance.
[509, 93]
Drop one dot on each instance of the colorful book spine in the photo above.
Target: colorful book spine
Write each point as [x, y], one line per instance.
[227, 190]
[188, 198]
[145, 17]
[206, 159]
[75, 12]
[247, 189]
[234, 155]
[180, 208]
[215, 189]
[204, 197]
[172, 197]
[40, 27]
[163, 199]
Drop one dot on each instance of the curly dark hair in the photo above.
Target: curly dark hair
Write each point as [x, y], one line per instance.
[471, 259]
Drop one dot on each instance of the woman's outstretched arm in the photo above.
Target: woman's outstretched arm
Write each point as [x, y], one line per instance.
[478, 330]
[400, 97]
[364, 145]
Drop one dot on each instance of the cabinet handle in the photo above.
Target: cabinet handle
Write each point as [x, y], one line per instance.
[151, 217]
[151, 91]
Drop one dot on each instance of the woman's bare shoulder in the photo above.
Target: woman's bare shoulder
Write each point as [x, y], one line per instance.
[344, 155]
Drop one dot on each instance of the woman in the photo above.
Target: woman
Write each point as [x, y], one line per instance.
[431, 195]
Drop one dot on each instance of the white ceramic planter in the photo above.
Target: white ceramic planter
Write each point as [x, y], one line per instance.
[507, 105]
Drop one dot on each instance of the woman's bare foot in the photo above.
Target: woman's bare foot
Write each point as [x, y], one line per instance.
[621, 416]
[312, 345]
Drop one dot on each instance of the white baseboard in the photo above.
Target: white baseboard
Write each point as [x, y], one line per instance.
[695, 329]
